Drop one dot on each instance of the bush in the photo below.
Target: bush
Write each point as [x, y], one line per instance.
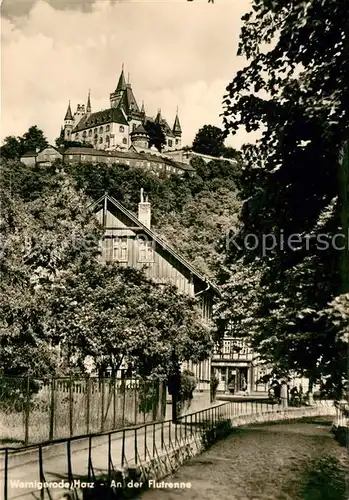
[15, 391]
[187, 386]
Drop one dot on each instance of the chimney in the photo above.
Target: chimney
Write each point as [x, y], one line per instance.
[144, 212]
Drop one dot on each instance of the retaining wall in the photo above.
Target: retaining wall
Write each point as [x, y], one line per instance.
[165, 464]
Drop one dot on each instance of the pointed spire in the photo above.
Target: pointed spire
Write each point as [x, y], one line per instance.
[121, 83]
[68, 115]
[128, 78]
[158, 117]
[143, 109]
[88, 106]
[177, 130]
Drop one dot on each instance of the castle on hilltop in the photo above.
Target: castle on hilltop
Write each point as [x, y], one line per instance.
[120, 127]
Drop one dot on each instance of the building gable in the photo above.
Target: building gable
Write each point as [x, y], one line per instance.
[145, 249]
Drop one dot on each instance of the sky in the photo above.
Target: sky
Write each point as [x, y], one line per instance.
[178, 53]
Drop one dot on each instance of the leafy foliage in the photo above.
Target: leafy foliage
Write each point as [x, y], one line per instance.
[156, 134]
[294, 90]
[209, 140]
[15, 147]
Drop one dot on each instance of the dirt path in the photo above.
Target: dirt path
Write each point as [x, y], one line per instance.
[293, 461]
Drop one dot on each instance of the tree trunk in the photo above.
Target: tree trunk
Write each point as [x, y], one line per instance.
[310, 391]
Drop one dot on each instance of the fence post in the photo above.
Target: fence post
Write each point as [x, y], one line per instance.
[70, 407]
[102, 405]
[52, 408]
[6, 474]
[160, 400]
[88, 394]
[114, 403]
[135, 408]
[27, 412]
[123, 389]
[154, 401]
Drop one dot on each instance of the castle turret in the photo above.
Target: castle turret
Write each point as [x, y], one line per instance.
[68, 124]
[88, 106]
[79, 113]
[140, 138]
[158, 118]
[177, 131]
[115, 97]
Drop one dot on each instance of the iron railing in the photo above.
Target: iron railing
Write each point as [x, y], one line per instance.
[100, 459]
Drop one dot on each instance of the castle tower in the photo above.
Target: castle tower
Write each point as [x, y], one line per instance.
[177, 131]
[115, 97]
[79, 113]
[88, 105]
[68, 124]
[140, 138]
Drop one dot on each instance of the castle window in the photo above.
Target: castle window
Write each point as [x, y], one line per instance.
[124, 140]
[100, 140]
[101, 130]
[76, 136]
[90, 132]
[120, 249]
[107, 128]
[84, 134]
[145, 250]
[95, 131]
[121, 128]
[107, 139]
[177, 141]
[134, 126]
[170, 143]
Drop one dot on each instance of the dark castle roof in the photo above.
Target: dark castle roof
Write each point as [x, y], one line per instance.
[139, 130]
[68, 115]
[114, 115]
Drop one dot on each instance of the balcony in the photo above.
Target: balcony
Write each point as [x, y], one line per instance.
[233, 350]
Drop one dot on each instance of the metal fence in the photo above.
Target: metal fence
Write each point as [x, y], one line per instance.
[37, 410]
[66, 468]
[70, 465]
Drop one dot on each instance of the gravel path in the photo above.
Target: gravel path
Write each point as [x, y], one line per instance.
[290, 461]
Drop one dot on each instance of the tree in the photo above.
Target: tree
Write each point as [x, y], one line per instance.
[44, 241]
[64, 144]
[156, 134]
[11, 149]
[294, 89]
[15, 147]
[117, 315]
[209, 141]
[33, 139]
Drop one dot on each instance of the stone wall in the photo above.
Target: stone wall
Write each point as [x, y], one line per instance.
[161, 466]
